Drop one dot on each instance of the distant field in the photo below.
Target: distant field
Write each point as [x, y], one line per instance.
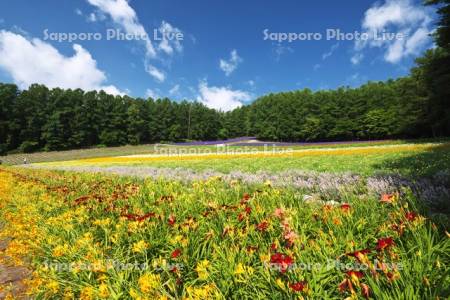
[14, 159]
[406, 159]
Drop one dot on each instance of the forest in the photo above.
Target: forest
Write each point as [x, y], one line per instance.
[414, 106]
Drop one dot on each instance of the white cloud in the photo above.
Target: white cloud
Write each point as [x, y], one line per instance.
[78, 12]
[395, 16]
[92, 17]
[34, 61]
[229, 66]
[281, 50]
[221, 98]
[330, 52]
[155, 72]
[169, 45]
[153, 94]
[124, 16]
[316, 67]
[357, 58]
[175, 90]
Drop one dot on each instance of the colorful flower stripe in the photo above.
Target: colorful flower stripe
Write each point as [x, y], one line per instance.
[294, 154]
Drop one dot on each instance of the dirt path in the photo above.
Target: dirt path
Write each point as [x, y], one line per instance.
[12, 278]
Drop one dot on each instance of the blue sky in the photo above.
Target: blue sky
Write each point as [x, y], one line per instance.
[223, 59]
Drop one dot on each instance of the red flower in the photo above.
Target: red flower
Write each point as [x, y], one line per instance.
[245, 198]
[248, 210]
[283, 261]
[384, 243]
[298, 286]
[410, 216]
[387, 198]
[175, 253]
[344, 285]
[273, 247]
[252, 248]
[345, 207]
[262, 226]
[354, 274]
[241, 217]
[146, 216]
[171, 220]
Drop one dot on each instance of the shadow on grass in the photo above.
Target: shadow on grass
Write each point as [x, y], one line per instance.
[423, 164]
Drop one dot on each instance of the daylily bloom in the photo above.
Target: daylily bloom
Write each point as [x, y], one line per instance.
[384, 243]
[410, 216]
[398, 227]
[387, 198]
[202, 269]
[360, 255]
[282, 261]
[290, 236]
[245, 198]
[298, 286]
[251, 249]
[176, 253]
[171, 220]
[262, 226]
[140, 246]
[273, 246]
[279, 213]
[355, 275]
[149, 282]
[345, 207]
[365, 290]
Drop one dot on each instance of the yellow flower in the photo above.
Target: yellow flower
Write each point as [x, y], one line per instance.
[59, 250]
[53, 286]
[140, 247]
[68, 294]
[149, 282]
[202, 269]
[103, 291]
[242, 270]
[280, 284]
[87, 293]
[264, 258]
[134, 294]
[102, 222]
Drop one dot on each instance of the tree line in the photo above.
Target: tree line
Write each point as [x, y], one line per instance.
[418, 105]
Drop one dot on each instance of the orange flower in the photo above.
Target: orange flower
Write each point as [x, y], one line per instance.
[279, 213]
[365, 290]
[387, 198]
[360, 255]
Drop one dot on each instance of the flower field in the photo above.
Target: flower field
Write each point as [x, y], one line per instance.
[406, 159]
[92, 236]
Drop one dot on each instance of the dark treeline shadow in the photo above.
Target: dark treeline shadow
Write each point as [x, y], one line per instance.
[423, 164]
